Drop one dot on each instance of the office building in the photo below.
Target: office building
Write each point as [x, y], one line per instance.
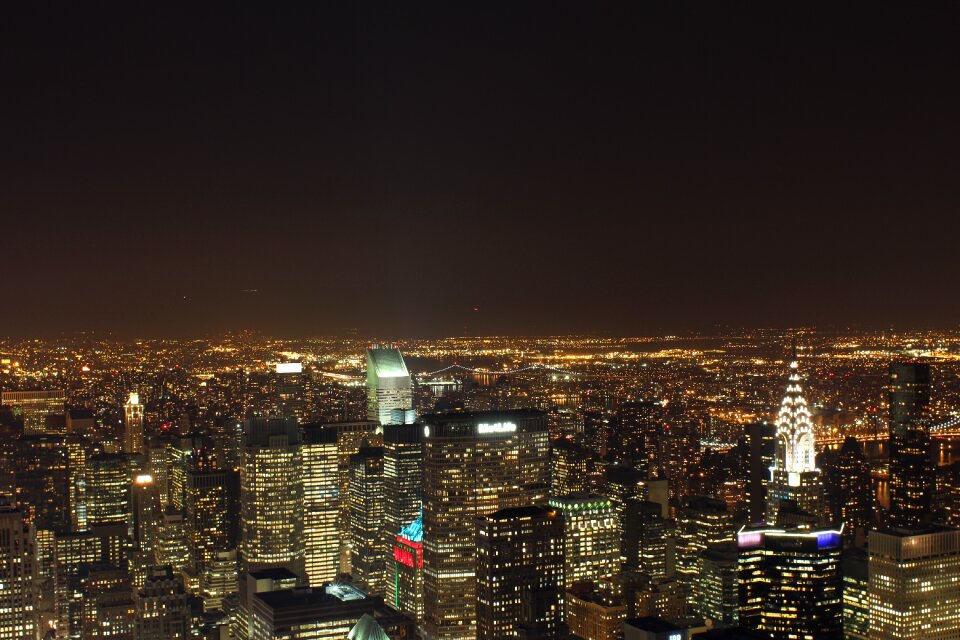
[715, 596]
[761, 444]
[108, 489]
[794, 477]
[171, 547]
[33, 407]
[43, 477]
[402, 480]
[271, 496]
[162, 607]
[133, 440]
[594, 612]
[388, 384]
[638, 436]
[911, 473]
[851, 491]
[407, 565]
[326, 452]
[290, 380]
[519, 573]
[790, 583]
[258, 582]
[914, 583]
[474, 463]
[591, 537]
[703, 522]
[75, 552]
[207, 513]
[218, 583]
[368, 561]
[320, 613]
[17, 614]
[569, 467]
[147, 516]
[856, 594]
[108, 607]
[647, 543]
[321, 504]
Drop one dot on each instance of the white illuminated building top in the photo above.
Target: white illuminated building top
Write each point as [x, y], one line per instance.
[795, 439]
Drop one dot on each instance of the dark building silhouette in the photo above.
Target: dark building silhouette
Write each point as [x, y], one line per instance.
[911, 474]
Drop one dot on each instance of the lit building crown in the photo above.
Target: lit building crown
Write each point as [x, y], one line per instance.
[795, 440]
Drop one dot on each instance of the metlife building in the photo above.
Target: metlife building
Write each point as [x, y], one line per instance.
[473, 464]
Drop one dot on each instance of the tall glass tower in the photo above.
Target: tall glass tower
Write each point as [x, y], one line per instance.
[133, 424]
[389, 389]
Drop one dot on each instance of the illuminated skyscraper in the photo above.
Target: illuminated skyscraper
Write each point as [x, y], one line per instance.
[207, 506]
[321, 504]
[405, 590]
[33, 407]
[851, 492]
[17, 615]
[914, 584]
[147, 516]
[366, 520]
[911, 473]
[402, 480]
[290, 390]
[703, 522]
[790, 584]
[761, 441]
[856, 594]
[388, 384]
[637, 440]
[647, 547]
[794, 476]
[326, 453]
[108, 489]
[591, 537]
[218, 584]
[43, 481]
[133, 424]
[715, 586]
[171, 542]
[473, 464]
[271, 496]
[520, 581]
[569, 467]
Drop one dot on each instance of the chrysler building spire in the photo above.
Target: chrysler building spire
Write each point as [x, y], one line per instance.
[794, 477]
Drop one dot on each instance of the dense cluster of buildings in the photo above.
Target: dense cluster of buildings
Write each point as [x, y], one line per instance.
[545, 501]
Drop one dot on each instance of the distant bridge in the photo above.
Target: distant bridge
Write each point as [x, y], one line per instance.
[501, 372]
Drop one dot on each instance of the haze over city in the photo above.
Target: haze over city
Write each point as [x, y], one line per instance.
[451, 170]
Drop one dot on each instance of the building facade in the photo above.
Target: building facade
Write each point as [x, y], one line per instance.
[389, 387]
[520, 582]
[473, 464]
[914, 583]
[790, 583]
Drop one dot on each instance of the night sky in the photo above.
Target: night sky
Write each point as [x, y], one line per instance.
[413, 170]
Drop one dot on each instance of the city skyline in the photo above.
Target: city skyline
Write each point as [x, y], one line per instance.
[526, 321]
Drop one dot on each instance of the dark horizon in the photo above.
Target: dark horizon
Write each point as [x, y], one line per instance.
[433, 171]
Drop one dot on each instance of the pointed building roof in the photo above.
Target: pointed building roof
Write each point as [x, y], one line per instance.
[367, 629]
[413, 531]
[794, 427]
